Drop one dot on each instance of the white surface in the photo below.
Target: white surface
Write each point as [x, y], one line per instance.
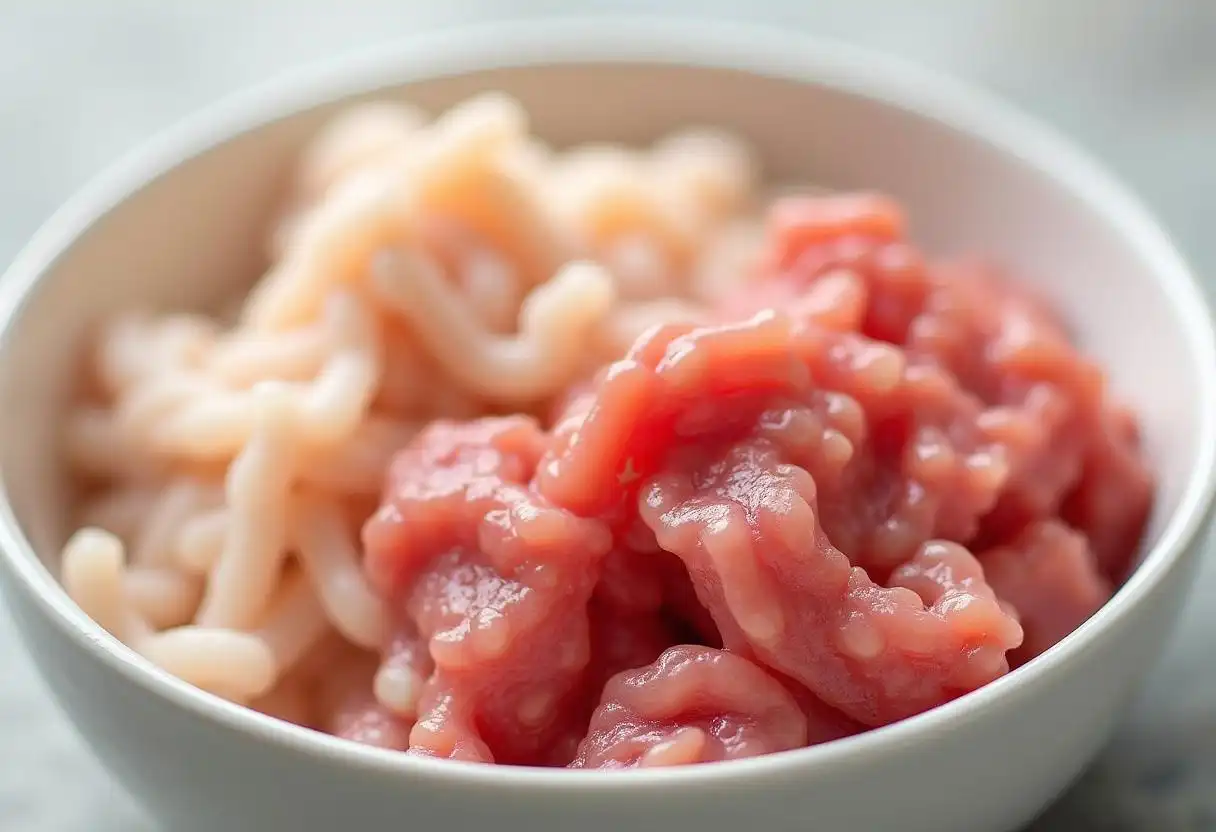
[79, 82]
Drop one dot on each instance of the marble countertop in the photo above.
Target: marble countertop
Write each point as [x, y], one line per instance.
[1134, 80]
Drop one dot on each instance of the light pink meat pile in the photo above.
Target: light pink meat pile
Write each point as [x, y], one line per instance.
[875, 485]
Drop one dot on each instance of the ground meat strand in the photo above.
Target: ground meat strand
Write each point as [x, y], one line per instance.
[1112, 501]
[744, 522]
[913, 459]
[692, 705]
[1070, 448]
[1048, 574]
[497, 580]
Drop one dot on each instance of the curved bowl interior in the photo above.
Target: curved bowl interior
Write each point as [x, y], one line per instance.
[166, 234]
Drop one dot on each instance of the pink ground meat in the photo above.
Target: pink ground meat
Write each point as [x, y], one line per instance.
[692, 705]
[874, 485]
[1047, 573]
[496, 580]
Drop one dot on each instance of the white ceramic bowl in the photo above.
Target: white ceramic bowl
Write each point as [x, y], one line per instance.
[183, 222]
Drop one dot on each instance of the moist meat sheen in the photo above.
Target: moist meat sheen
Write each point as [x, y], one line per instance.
[819, 468]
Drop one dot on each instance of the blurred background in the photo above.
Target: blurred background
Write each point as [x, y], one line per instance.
[1134, 81]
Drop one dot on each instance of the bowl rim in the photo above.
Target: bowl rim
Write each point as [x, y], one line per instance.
[654, 40]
